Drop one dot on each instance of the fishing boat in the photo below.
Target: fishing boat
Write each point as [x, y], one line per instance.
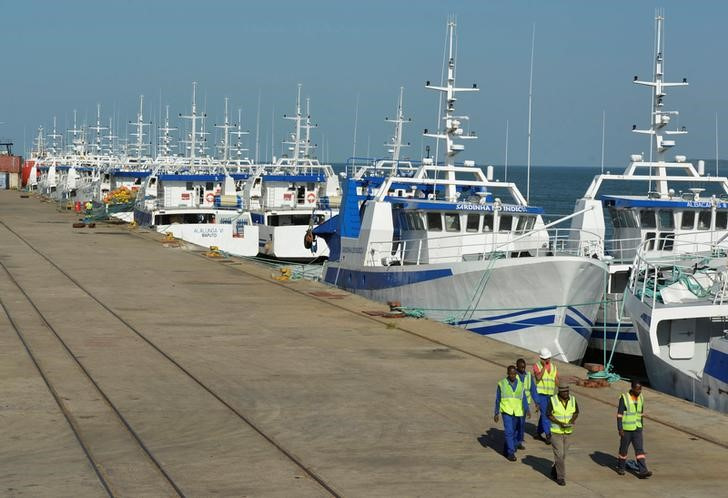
[659, 199]
[290, 196]
[451, 243]
[196, 199]
[678, 302]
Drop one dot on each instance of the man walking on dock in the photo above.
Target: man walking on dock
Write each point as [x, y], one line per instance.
[629, 425]
[511, 402]
[562, 411]
[527, 379]
[545, 377]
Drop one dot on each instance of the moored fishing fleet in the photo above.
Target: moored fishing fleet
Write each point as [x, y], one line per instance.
[645, 276]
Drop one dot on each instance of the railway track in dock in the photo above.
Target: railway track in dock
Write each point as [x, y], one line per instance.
[66, 371]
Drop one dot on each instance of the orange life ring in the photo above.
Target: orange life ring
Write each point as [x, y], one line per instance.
[210, 197]
[311, 197]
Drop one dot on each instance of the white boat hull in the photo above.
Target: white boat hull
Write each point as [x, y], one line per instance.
[220, 235]
[681, 378]
[528, 302]
[286, 243]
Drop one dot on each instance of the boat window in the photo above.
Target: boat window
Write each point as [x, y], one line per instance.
[704, 220]
[688, 220]
[721, 220]
[616, 217]
[472, 223]
[630, 219]
[452, 222]
[189, 186]
[434, 222]
[666, 220]
[521, 224]
[487, 222]
[650, 239]
[666, 242]
[414, 221]
[647, 218]
[506, 222]
[209, 186]
[284, 220]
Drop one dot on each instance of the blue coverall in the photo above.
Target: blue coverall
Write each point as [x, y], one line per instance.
[512, 426]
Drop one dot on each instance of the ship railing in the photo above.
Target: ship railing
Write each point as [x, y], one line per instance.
[623, 250]
[484, 246]
[701, 268]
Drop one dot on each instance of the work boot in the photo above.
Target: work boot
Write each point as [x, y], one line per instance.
[644, 474]
[548, 439]
[511, 457]
[521, 447]
[620, 470]
[561, 482]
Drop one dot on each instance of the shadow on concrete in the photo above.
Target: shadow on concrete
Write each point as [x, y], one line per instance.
[604, 459]
[539, 464]
[494, 439]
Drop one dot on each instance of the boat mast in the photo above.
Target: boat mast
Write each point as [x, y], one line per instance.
[139, 124]
[225, 127]
[239, 149]
[659, 117]
[396, 144]
[193, 117]
[452, 131]
[165, 140]
[110, 139]
[296, 139]
[98, 129]
[54, 136]
[307, 126]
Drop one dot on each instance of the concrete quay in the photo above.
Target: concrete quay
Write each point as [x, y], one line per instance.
[131, 367]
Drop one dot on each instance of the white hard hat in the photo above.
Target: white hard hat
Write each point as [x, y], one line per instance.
[545, 353]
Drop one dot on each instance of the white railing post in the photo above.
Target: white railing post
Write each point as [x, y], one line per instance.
[404, 252]
[419, 252]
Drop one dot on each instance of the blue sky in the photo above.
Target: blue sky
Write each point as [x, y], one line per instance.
[65, 55]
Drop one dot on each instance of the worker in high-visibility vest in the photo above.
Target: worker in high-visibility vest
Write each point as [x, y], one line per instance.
[530, 387]
[546, 378]
[512, 404]
[629, 425]
[562, 412]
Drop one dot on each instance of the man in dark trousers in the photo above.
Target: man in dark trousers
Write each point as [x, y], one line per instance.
[546, 378]
[527, 379]
[562, 412]
[511, 402]
[630, 425]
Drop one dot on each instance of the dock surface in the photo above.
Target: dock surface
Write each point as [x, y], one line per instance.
[133, 367]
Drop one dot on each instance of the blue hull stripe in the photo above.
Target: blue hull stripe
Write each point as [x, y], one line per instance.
[578, 327]
[627, 323]
[508, 327]
[376, 280]
[580, 315]
[623, 336]
[507, 315]
[717, 365]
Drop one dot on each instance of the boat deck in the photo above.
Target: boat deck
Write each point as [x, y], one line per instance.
[133, 367]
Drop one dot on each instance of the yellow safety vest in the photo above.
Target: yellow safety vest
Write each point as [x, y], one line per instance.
[527, 386]
[511, 401]
[632, 416]
[563, 414]
[547, 384]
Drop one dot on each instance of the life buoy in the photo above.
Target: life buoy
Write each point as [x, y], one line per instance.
[311, 198]
[210, 197]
